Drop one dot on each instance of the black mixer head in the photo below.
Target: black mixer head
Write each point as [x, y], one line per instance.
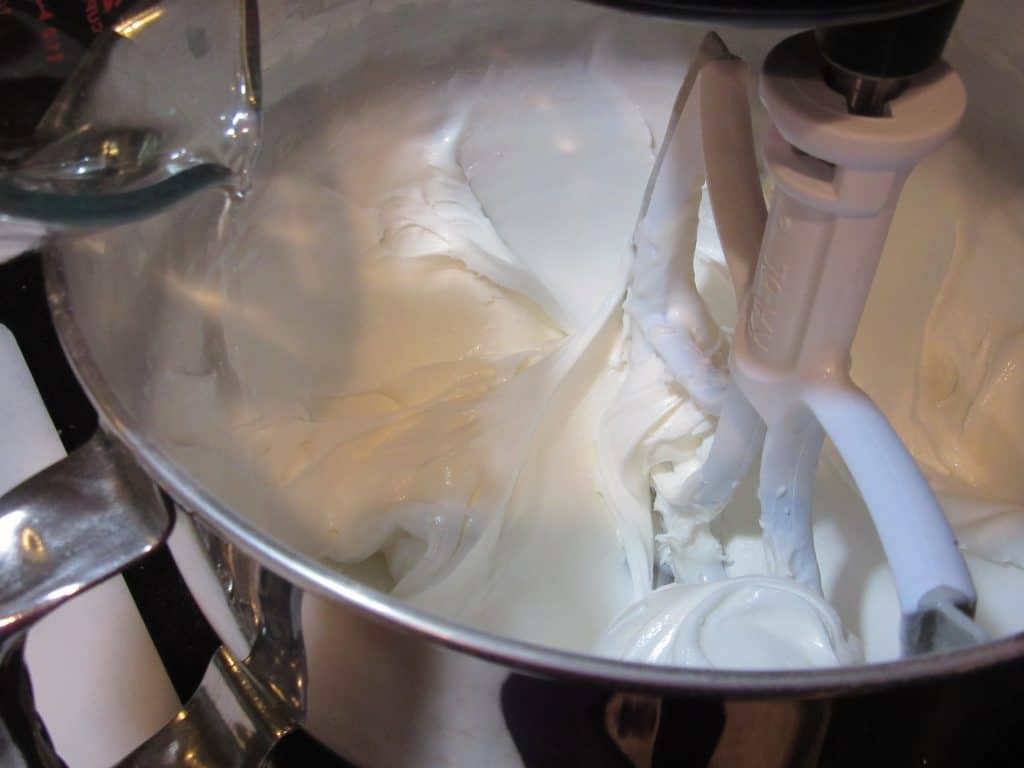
[868, 46]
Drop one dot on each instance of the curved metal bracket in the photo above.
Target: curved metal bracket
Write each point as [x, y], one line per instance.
[87, 518]
[63, 531]
[242, 708]
[72, 526]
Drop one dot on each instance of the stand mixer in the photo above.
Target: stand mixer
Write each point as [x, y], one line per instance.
[837, 174]
[854, 105]
[854, 108]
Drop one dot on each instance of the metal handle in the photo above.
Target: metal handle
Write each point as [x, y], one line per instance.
[63, 531]
[85, 519]
[241, 709]
[72, 526]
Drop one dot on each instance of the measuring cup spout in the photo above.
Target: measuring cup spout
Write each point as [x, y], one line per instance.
[163, 103]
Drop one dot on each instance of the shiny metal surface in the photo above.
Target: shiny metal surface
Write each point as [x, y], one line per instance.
[940, 625]
[242, 708]
[87, 518]
[72, 526]
[632, 721]
[24, 742]
[63, 531]
[241, 579]
[864, 95]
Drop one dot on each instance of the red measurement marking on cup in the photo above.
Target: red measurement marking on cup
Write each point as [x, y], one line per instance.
[50, 37]
[92, 15]
[95, 10]
[45, 14]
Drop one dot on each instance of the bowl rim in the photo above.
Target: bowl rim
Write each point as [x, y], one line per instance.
[311, 574]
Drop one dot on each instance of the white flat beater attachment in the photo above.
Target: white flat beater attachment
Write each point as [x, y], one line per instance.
[801, 272]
